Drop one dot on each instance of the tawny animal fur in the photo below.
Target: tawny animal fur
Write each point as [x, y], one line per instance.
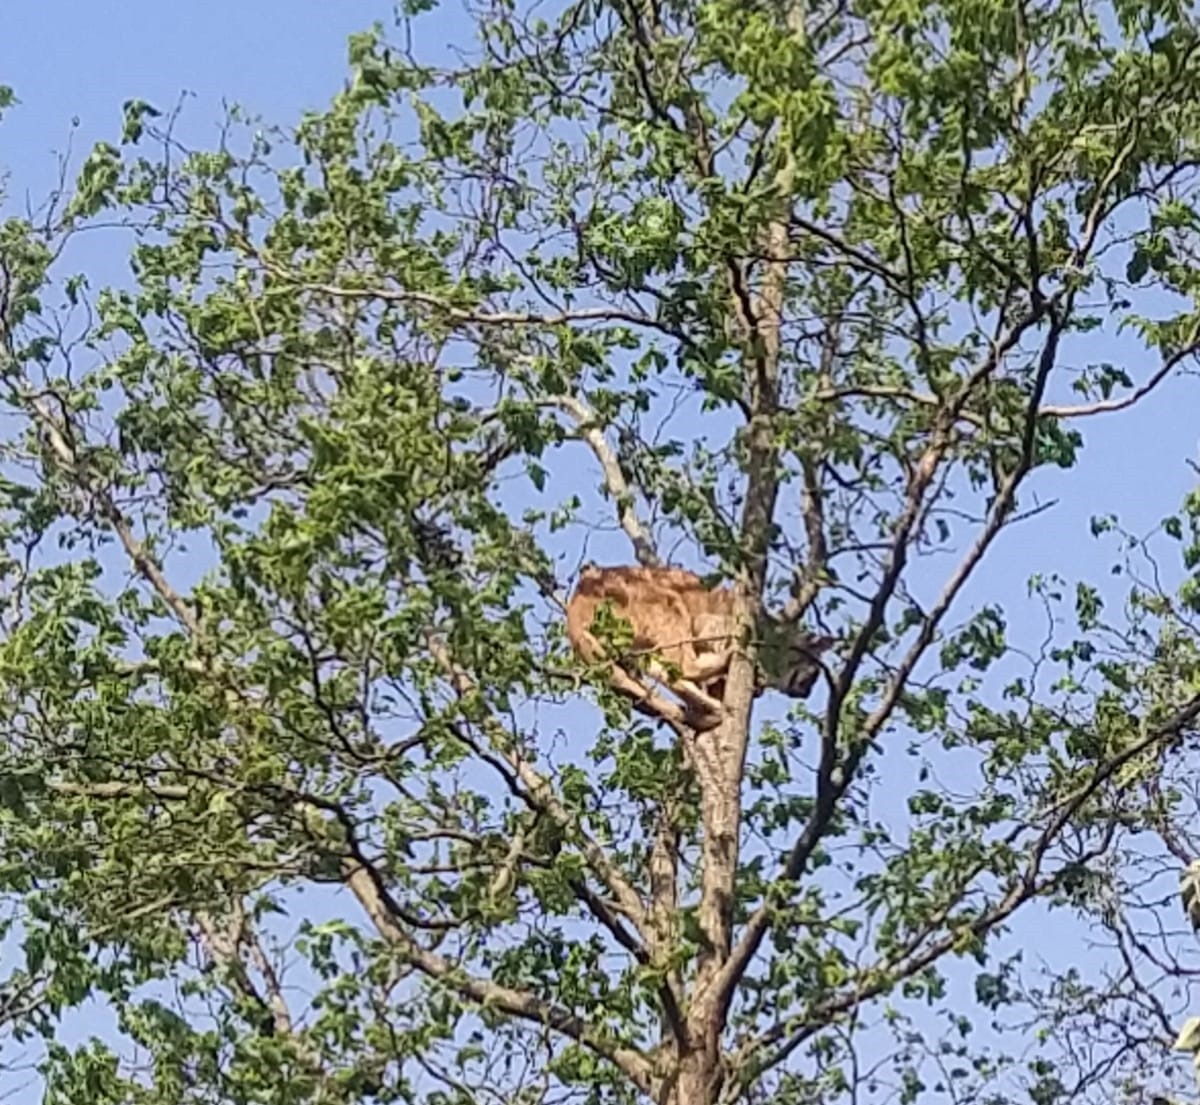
[682, 637]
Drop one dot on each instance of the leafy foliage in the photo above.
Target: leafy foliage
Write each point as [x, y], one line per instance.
[285, 524]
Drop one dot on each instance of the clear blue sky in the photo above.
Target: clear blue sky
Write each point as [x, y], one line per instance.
[67, 59]
[72, 58]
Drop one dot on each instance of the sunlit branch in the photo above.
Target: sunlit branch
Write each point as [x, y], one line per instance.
[614, 479]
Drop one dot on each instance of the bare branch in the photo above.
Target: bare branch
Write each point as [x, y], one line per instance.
[474, 316]
[808, 578]
[1107, 406]
[887, 391]
[119, 789]
[614, 479]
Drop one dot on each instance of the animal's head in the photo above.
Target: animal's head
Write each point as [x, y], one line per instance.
[790, 657]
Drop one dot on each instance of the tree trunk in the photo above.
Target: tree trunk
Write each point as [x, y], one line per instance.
[699, 1081]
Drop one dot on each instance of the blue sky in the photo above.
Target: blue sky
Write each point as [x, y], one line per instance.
[68, 59]
[279, 58]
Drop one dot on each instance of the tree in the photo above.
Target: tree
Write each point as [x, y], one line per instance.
[289, 520]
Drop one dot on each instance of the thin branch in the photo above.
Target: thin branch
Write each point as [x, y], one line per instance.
[55, 434]
[809, 576]
[663, 914]
[474, 316]
[614, 479]
[537, 792]
[118, 789]
[1107, 406]
[367, 886]
[887, 391]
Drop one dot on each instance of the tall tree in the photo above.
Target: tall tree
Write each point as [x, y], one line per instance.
[289, 521]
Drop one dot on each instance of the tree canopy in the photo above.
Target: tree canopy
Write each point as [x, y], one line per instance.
[302, 794]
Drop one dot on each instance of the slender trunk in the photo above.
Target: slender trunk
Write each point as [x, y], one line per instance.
[700, 1079]
[718, 756]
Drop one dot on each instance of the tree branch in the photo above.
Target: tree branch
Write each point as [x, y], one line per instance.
[537, 792]
[65, 453]
[910, 961]
[1107, 406]
[225, 945]
[614, 479]
[367, 886]
[835, 772]
[447, 309]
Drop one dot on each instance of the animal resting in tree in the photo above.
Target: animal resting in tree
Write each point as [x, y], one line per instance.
[682, 635]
